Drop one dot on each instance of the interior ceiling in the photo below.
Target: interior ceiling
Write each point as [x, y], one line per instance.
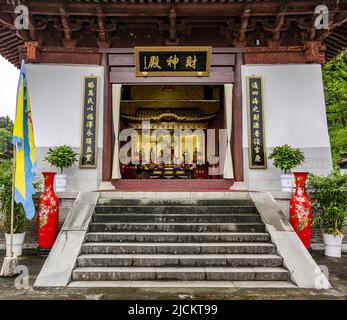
[170, 103]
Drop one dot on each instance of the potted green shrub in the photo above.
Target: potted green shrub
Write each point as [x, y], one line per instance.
[61, 157]
[286, 158]
[19, 221]
[329, 204]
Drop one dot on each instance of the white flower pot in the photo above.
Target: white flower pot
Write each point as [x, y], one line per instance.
[60, 183]
[18, 240]
[333, 245]
[286, 182]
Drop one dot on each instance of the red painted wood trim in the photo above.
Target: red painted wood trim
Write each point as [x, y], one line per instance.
[131, 50]
[107, 133]
[237, 150]
[127, 59]
[126, 75]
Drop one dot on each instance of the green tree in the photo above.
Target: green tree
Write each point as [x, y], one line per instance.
[6, 128]
[335, 87]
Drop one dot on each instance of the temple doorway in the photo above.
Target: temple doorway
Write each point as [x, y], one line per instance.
[171, 132]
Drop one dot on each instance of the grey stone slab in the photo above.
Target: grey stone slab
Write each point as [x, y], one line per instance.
[304, 271]
[58, 267]
[111, 194]
[207, 195]
[81, 212]
[281, 195]
[181, 284]
[67, 194]
[247, 274]
[270, 212]
[183, 273]
[263, 284]
[56, 272]
[113, 273]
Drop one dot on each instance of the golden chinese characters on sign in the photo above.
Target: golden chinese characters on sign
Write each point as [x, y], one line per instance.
[256, 132]
[89, 122]
[172, 61]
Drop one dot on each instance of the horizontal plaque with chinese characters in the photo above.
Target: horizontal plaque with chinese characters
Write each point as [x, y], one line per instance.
[256, 130]
[89, 145]
[173, 61]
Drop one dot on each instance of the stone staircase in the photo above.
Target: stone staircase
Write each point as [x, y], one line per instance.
[207, 241]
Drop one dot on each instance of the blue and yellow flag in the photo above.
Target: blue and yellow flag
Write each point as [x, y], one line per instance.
[23, 138]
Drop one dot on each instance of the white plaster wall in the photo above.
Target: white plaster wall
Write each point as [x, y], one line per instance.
[56, 103]
[295, 114]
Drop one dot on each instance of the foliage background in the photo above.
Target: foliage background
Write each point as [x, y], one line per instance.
[6, 128]
[335, 87]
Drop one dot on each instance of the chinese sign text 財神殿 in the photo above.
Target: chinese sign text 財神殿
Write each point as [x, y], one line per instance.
[172, 61]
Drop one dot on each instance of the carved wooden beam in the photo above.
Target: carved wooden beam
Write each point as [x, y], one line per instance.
[275, 28]
[6, 20]
[341, 42]
[332, 45]
[4, 33]
[103, 41]
[173, 40]
[64, 17]
[324, 33]
[228, 32]
[276, 33]
[11, 45]
[312, 52]
[8, 36]
[241, 40]
[307, 25]
[10, 50]
[340, 19]
[13, 55]
[338, 37]
[41, 23]
[23, 34]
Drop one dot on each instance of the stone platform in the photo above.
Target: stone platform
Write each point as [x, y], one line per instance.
[183, 236]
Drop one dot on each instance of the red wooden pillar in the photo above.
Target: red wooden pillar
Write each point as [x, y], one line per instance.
[237, 149]
[107, 122]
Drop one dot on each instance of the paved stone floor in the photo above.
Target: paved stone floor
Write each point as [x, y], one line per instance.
[337, 276]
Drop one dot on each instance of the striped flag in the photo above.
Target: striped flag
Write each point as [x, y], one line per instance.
[23, 138]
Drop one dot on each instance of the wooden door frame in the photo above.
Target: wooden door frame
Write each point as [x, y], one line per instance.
[109, 79]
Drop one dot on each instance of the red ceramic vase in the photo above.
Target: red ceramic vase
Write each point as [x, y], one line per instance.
[300, 210]
[47, 214]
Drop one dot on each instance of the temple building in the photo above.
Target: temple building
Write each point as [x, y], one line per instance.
[159, 96]
[207, 54]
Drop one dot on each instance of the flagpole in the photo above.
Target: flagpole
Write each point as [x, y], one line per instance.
[12, 200]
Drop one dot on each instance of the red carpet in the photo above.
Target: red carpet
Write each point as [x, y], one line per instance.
[172, 185]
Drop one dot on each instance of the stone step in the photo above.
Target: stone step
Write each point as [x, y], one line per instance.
[183, 284]
[181, 202]
[178, 248]
[177, 227]
[169, 218]
[175, 209]
[157, 187]
[181, 237]
[179, 260]
[183, 273]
